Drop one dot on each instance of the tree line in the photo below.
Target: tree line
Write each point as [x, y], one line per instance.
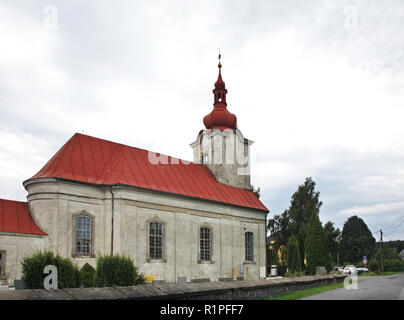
[298, 240]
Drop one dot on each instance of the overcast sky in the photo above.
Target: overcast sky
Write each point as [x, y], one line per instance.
[318, 85]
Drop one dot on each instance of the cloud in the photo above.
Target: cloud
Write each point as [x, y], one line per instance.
[380, 208]
[318, 99]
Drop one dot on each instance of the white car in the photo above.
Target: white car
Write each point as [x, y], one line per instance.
[360, 270]
[350, 270]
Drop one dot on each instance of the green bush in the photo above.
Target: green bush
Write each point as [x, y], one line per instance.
[391, 259]
[33, 270]
[87, 274]
[116, 270]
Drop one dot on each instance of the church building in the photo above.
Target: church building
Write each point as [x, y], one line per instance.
[177, 220]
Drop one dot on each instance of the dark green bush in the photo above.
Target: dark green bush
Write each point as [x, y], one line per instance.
[116, 270]
[87, 274]
[33, 270]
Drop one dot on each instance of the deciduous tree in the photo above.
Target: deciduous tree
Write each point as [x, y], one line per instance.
[356, 241]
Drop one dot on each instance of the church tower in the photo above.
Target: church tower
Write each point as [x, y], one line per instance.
[221, 147]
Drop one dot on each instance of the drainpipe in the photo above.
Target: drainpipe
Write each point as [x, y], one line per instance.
[112, 220]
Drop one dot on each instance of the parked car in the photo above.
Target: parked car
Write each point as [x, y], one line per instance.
[350, 270]
[361, 270]
[338, 269]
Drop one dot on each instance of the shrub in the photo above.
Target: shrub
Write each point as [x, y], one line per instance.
[33, 270]
[391, 259]
[116, 270]
[87, 275]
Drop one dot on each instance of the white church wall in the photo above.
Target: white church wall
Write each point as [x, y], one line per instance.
[133, 209]
[17, 247]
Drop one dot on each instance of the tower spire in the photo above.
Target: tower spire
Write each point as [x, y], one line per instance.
[220, 117]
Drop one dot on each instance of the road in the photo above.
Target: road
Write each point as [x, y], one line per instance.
[368, 288]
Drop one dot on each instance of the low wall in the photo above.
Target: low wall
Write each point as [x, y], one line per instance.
[229, 290]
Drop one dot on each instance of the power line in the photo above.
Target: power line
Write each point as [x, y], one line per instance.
[398, 226]
[396, 221]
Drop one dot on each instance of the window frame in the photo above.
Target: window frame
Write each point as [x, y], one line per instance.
[156, 233]
[3, 263]
[163, 223]
[209, 227]
[74, 235]
[249, 246]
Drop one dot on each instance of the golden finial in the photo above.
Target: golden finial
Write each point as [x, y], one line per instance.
[220, 64]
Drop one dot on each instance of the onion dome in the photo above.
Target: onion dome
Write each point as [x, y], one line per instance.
[220, 117]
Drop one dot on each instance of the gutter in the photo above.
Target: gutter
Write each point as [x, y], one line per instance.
[112, 220]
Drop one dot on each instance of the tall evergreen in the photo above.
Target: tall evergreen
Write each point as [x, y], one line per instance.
[317, 253]
[333, 238]
[293, 255]
[304, 202]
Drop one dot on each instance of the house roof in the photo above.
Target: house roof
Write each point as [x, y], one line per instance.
[92, 160]
[15, 218]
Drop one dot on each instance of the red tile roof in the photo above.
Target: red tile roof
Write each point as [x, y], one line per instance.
[101, 162]
[15, 218]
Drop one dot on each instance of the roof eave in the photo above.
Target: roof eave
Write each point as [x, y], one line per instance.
[54, 179]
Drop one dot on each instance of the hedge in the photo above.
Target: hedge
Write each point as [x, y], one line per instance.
[33, 270]
[116, 270]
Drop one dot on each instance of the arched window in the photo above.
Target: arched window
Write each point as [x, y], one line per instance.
[249, 246]
[83, 235]
[156, 240]
[205, 243]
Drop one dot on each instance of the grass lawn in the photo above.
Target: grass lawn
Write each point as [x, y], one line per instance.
[298, 294]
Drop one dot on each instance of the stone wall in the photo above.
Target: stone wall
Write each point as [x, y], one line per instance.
[234, 290]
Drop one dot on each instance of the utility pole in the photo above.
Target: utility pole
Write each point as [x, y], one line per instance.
[382, 252]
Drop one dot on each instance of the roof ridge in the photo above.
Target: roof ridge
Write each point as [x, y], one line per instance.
[141, 149]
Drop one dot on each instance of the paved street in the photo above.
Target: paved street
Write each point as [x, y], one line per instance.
[369, 288]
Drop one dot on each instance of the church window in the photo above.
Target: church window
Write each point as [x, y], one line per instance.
[83, 235]
[205, 244]
[156, 240]
[2, 261]
[249, 246]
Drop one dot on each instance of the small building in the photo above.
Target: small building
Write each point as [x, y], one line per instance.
[175, 218]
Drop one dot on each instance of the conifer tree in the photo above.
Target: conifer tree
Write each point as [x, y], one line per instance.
[293, 255]
[317, 253]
